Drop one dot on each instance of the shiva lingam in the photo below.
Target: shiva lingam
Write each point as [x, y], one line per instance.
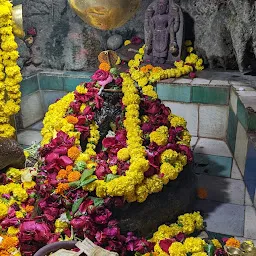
[246, 249]
[105, 14]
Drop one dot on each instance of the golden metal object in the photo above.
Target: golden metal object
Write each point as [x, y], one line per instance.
[105, 14]
[18, 21]
[231, 251]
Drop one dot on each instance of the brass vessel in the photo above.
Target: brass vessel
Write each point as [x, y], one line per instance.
[105, 14]
[18, 21]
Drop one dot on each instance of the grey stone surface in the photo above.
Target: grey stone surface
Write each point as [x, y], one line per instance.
[24, 53]
[164, 207]
[114, 42]
[222, 30]
[222, 189]
[250, 220]
[28, 137]
[222, 218]
[11, 154]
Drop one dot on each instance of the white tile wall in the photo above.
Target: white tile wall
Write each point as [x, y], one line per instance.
[233, 101]
[241, 147]
[250, 220]
[213, 121]
[187, 111]
[31, 109]
[212, 147]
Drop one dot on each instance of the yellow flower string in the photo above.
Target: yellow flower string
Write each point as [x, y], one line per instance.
[10, 75]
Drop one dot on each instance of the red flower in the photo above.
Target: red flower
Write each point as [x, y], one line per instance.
[136, 40]
[118, 81]
[102, 215]
[192, 75]
[79, 223]
[109, 142]
[100, 75]
[165, 244]
[102, 170]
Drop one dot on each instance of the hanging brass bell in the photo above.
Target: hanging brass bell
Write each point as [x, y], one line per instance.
[18, 21]
[105, 14]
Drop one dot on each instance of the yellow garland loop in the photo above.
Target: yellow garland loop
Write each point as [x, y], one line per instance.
[10, 75]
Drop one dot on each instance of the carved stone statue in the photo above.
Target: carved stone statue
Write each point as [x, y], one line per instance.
[164, 27]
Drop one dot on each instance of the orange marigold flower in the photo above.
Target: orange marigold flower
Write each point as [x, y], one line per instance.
[8, 242]
[61, 188]
[72, 119]
[146, 68]
[69, 169]
[104, 66]
[4, 253]
[29, 208]
[62, 174]
[232, 242]
[74, 176]
[202, 193]
[74, 153]
[151, 254]
[156, 69]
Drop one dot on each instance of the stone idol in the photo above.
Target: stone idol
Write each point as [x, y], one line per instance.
[164, 29]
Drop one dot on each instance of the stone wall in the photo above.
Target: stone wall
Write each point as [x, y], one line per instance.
[223, 32]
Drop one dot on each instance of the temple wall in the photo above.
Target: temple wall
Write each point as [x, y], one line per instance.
[223, 32]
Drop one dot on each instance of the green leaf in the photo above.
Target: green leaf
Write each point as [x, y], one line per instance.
[97, 201]
[110, 177]
[68, 216]
[209, 248]
[88, 181]
[76, 204]
[74, 184]
[86, 174]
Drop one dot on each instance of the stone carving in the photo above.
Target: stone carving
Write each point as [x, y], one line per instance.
[163, 32]
[223, 32]
[11, 154]
[176, 198]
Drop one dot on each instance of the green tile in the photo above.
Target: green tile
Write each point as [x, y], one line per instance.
[71, 83]
[210, 95]
[252, 121]
[50, 82]
[29, 85]
[172, 92]
[232, 129]
[213, 165]
[242, 114]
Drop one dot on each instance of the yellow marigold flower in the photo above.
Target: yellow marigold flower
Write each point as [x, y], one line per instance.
[3, 210]
[169, 172]
[190, 49]
[20, 194]
[74, 152]
[154, 184]
[194, 244]
[142, 81]
[118, 61]
[127, 42]
[113, 169]
[60, 225]
[141, 51]
[216, 243]
[74, 176]
[28, 185]
[232, 242]
[142, 193]
[12, 231]
[169, 156]
[104, 66]
[159, 136]
[19, 214]
[199, 254]
[177, 249]
[177, 121]
[81, 89]
[123, 154]
[188, 43]
[14, 174]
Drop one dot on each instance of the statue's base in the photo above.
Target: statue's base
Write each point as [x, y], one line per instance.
[175, 199]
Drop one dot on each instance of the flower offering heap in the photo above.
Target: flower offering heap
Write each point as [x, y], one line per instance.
[81, 177]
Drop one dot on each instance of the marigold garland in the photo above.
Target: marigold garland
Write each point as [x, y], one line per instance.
[10, 75]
